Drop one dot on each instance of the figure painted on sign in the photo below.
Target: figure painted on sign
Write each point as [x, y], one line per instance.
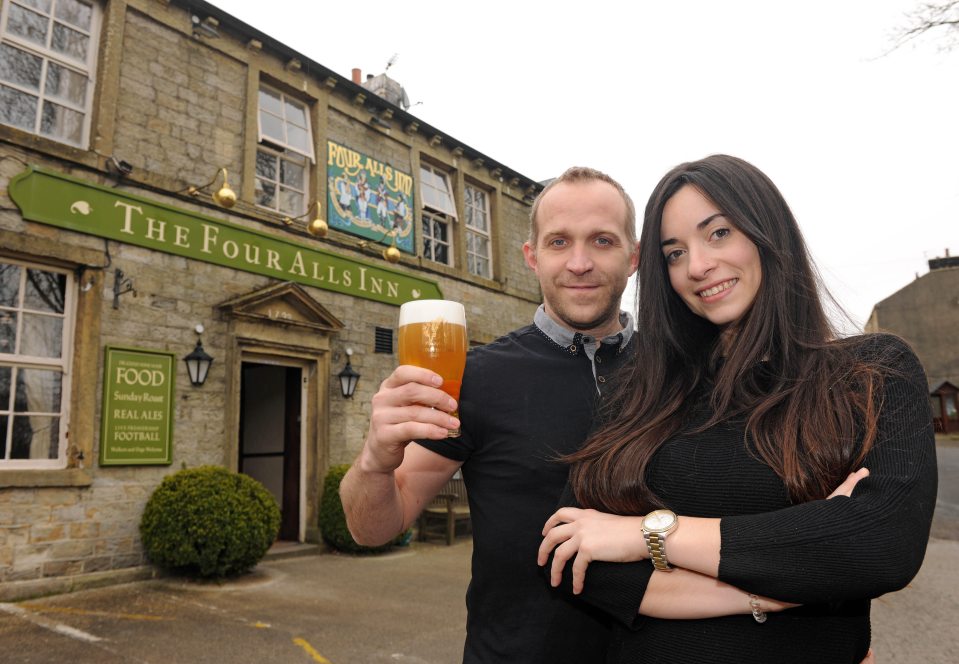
[381, 201]
[345, 191]
[400, 222]
[362, 195]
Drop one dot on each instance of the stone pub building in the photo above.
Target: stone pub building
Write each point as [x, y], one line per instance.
[173, 181]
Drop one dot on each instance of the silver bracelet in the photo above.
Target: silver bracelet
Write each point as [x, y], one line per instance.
[758, 614]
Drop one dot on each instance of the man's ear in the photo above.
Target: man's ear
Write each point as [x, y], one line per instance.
[530, 254]
[634, 260]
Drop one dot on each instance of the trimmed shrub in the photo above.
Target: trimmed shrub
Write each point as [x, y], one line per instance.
[209, 522]
[333, 520]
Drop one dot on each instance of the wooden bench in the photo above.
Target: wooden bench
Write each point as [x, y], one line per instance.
[448, 508]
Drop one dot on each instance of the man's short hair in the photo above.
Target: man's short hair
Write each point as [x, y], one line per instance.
[578, 174]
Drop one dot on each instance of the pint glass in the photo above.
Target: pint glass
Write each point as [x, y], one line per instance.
[433, 336]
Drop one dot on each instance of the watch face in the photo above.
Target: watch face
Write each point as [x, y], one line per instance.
[659, 521]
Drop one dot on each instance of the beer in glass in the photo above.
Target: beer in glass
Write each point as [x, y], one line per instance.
[433, 336]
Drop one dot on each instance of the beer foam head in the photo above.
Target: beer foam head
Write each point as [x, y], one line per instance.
[425, 311]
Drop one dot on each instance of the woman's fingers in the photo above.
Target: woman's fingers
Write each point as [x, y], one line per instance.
[845, 489]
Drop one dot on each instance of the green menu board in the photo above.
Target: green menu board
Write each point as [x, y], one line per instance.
[137, 422]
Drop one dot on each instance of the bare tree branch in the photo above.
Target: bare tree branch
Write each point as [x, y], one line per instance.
[939, 17]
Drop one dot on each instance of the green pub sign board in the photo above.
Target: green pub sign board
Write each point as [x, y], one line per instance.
[137, 422]
[60, 200]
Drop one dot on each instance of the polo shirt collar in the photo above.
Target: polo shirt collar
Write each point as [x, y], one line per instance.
[565, 337]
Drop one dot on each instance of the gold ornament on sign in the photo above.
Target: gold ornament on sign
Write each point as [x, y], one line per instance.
[318, 227]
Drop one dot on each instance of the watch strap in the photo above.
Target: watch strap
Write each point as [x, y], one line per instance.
[656, 543]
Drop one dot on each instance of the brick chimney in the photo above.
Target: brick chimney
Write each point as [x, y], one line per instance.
[357, 75]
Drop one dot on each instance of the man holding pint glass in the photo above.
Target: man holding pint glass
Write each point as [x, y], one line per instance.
[527, 399]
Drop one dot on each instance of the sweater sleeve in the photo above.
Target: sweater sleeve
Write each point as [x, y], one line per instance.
[850, 548]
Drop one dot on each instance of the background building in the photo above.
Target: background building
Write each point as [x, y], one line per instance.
[121, 124]
[926, 314]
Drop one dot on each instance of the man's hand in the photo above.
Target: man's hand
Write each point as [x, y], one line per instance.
[408, 405]
[589, 535]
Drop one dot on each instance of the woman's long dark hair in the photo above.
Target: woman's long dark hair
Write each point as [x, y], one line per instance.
[809, 405]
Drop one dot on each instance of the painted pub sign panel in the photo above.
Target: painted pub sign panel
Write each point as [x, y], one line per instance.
[137, 419]
[369, 198]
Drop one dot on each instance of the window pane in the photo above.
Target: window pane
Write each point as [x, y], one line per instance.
[45, 291]
[20, 67]
[442, 254]
[950, 402]
[272, 127]
[27, 24]
[75, 13]
[291, 202]
[66, 84]
[3, 436]
[5, 373]
[482, 267]
[439, 231]
[17, 108]
[428, 178]
[61, 123]
[481, 201]
[42, 336]
[297, 138]
[270, 101]
[428, 248]
[264, 193]
[295, 113]
[481, 245]
[8, 334]
[38, 391]
[9, 285]
[266, 165]
[429, 197]
[35, 437]
[291, 174]
[70, 42]
[39, 5]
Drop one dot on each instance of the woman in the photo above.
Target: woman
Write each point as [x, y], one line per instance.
[741, 413]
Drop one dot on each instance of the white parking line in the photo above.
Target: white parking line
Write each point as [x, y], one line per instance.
[46, 623]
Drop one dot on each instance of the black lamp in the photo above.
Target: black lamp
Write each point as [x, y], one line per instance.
[198, 364]
[348, 377]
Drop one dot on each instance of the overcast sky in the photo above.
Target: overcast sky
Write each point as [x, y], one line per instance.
[862, 144]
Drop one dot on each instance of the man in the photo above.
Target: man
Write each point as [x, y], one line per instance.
[527, 399]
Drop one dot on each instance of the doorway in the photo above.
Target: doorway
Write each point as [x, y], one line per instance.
[271, 436]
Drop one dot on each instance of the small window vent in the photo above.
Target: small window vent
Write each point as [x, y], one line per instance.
[384, 340]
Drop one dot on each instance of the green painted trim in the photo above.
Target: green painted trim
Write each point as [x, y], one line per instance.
[66, 202]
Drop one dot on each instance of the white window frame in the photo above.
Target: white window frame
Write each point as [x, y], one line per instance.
[63, 364]
[427, 173]
[85, 68]
[472, 210]
[445, 220]
[282, 143]
[280, 156]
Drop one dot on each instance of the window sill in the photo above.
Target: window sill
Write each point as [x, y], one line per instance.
[78, 477]
[48, 146]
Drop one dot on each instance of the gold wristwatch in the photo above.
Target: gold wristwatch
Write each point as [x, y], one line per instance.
[656, 526]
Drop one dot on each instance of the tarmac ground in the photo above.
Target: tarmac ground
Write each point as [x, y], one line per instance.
[403, 607]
